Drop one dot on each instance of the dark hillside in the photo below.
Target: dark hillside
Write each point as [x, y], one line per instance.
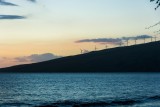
[137, 58]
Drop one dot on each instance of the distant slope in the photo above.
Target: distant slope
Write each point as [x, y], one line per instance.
[137, 58]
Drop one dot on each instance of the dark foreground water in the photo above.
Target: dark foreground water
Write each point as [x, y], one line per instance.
[80, 90]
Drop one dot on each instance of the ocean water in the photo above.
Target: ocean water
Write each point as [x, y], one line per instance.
[80, 90]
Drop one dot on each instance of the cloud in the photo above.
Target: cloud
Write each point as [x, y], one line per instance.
[1, 59]
[137, 37]
[3, 2]
[11, 17]
[143, 36]
[101, 40]
[5, 62]
[22, 59]
[32, 0]
[36, 58]
[11, 61]
[113, 41]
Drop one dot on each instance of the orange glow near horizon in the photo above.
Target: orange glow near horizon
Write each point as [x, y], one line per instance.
[53, 26]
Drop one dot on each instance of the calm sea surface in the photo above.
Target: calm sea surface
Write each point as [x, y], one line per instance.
[80, 90]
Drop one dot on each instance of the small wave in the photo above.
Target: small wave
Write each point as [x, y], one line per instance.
[154, 97]
[125, 102]
[122, 102]
[90, 104]
[15, 104]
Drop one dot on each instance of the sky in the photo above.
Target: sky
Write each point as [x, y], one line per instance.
[38, 30]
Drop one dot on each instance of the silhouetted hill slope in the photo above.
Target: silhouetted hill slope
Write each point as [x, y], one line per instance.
[137, 58]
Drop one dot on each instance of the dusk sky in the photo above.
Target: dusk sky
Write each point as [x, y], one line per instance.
[34, 31]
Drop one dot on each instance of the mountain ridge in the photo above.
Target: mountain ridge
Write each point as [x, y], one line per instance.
[135, 58]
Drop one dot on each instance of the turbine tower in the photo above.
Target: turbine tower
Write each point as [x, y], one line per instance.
[120, 43]
[95, 48]
[151, 39]
[135, 40]
[144, 40]
[155, 37]
[127, 40]
[106, 46]
[81, 51]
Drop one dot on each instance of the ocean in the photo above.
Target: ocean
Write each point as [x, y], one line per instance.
[80, 90]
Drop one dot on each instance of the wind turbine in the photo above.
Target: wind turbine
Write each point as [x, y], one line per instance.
[120, 43]
[95, 48]
[106, 46]
[127, 40]
[155, 37]
[135, 40]
[81, 51]
[144, 40]
[151, 39]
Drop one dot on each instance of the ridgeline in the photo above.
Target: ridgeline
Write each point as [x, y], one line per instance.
[136, 58]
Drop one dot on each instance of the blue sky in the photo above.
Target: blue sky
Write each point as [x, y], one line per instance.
[53, 26]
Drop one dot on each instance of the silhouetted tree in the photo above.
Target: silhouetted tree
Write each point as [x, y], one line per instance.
[156, 32]
[157, 2]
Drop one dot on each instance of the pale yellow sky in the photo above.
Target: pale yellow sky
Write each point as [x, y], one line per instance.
[53, 26]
